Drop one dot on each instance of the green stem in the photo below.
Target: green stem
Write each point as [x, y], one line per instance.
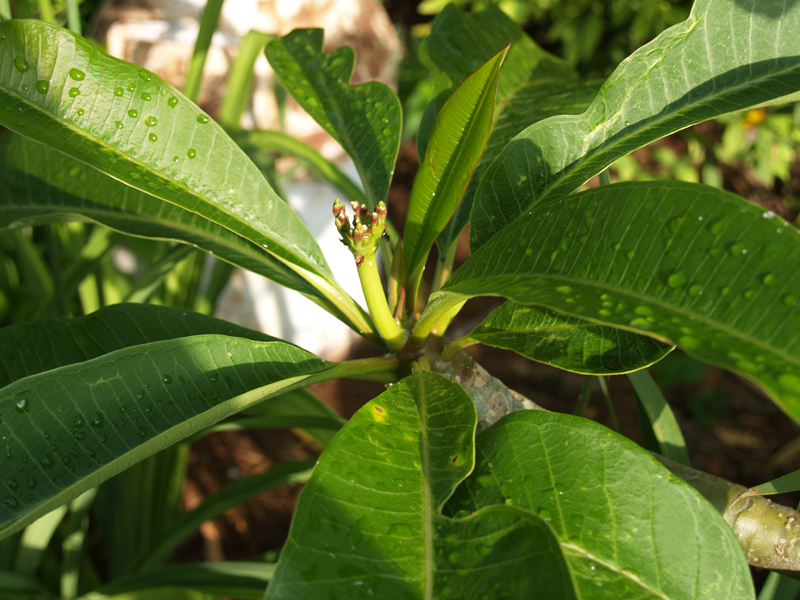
[208, 23]
[5, 10]
[74, 16]
[444, 267]
[238, 93]
[46, 11]
[452, 347]
[433, 314]
[387, 327]
[605, 178]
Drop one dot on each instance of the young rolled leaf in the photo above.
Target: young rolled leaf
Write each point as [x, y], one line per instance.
[621, 517]
[42, 185]
[375, 498]
[60, 90]
[532, 85]
[709, 65]
[66, 430]
[456, 145]
[566, 342]
[365, 119]
[37, 346]
[683, 263]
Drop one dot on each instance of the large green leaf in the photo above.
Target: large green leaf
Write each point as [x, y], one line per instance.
[628, 527]
[66, 430]
[365, 119]
[567, 342]
[456, 145]
[727, 56]
[368, 523]
[42, 185]
[533, 85]
[37, 346]
[59, 89]
[683, 263]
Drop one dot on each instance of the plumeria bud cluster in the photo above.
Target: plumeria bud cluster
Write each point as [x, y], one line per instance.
[363, 235]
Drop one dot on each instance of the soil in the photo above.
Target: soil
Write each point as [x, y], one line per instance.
[731, 428]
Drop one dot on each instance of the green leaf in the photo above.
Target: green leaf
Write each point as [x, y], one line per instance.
[782, 485]
[66, 430]
[375, 499]
[42, 185]
[59, 89]
[533, 85]
[727, 56]
[567, 342]
[365, 119]
[456, 145]
[37, 346]
[227, 578]
[661, 420]
[683, 263]
[628, 527]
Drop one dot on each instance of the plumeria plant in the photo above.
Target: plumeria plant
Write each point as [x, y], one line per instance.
[407, 500]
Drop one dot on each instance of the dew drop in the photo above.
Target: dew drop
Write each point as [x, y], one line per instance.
[42, 86]
[80, 112]
[643, 311]
[749, 294]
[21, 64]
[22, 405]
[133, 113]
[153, 137]
[150, 121]
[629, 254]
[131, 87]
[202, 119]
[173, 102]
[176, 159]
[770, 280]
[677, 279]
[166, 379]
[97, 420]
[13, 484]
[738, 250]
[119, 91]
[146, 96]
[119, 125]
[47, 460]
[789, 300]
[191, 153]
[11, 503]
[77, 74]
[545, 514]
[452, 558]
[564, 289]
[387, 132]
[144, 75]
[695, 290]
[74, 92]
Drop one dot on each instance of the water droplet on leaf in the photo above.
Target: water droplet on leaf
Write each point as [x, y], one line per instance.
[77, 74]
[74, 92]
[42, 86]
[21, 64]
